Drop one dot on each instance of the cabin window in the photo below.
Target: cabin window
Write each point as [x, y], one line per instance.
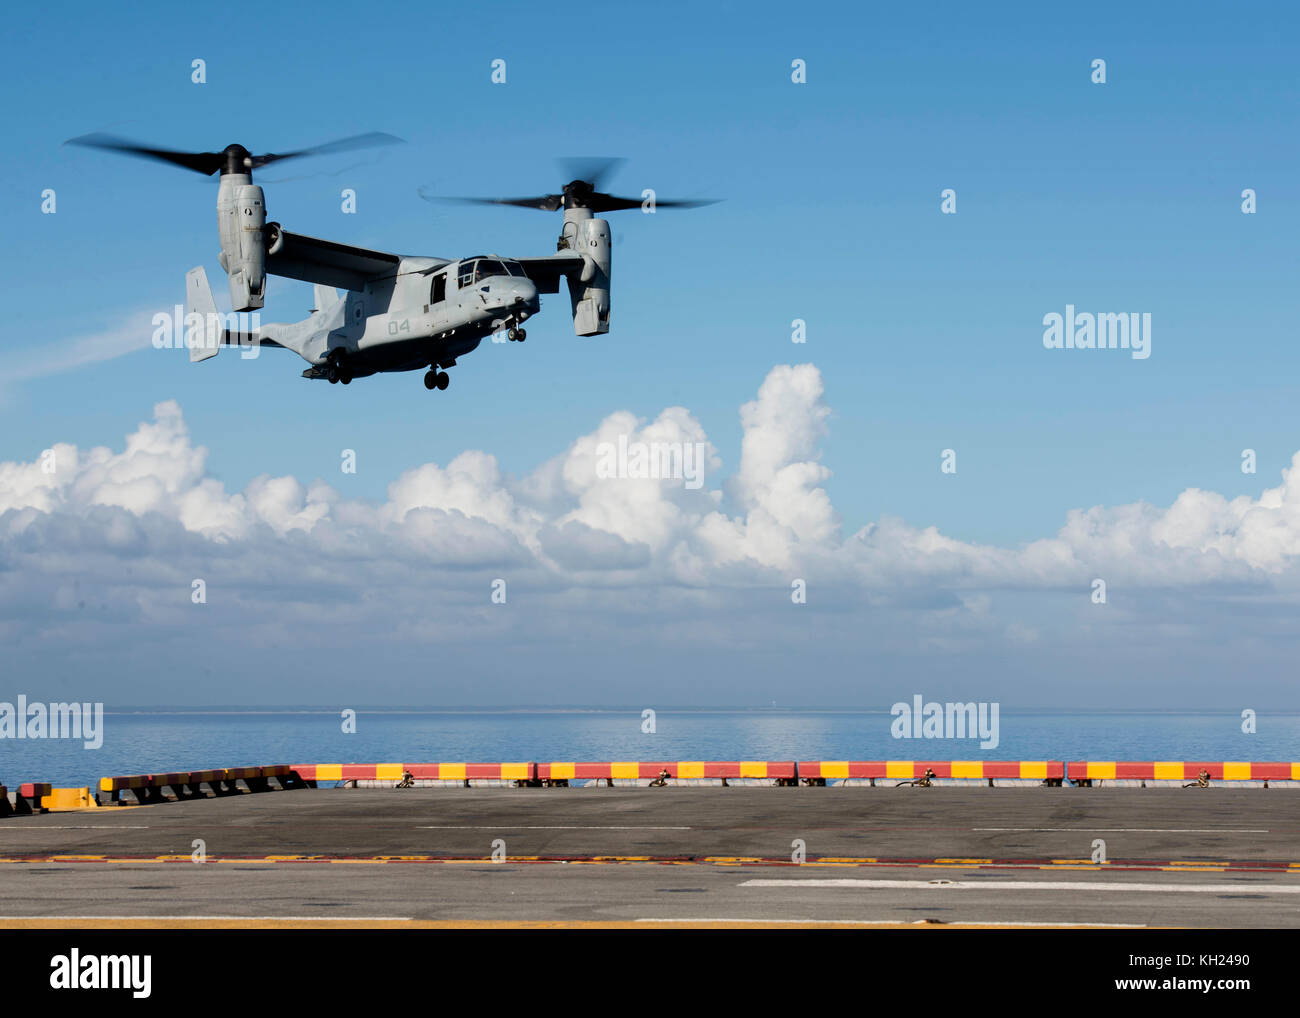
[439, 293]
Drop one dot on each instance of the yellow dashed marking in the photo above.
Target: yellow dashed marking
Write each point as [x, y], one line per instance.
[1290, 868]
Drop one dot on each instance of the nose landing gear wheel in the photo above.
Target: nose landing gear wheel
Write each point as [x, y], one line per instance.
[522, 335]
[512, 335]
[437, 380]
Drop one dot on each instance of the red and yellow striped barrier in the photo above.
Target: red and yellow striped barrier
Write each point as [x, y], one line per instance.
[222, 781]
[1180, 770]
[678, 770]
[473, 771]
[418, 771]
[533, 773]
[910, 770]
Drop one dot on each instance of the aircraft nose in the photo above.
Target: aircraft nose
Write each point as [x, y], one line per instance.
[525, 292]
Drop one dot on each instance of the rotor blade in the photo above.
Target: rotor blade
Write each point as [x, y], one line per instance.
[342, 145]
[199, 162]
[545, 202]
[689, 203]
[611, 203]
[592, 169]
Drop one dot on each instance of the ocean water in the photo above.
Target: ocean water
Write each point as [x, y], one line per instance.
[145, 742]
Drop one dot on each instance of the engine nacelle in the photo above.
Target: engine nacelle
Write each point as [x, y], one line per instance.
[241, 218]
[589, 293]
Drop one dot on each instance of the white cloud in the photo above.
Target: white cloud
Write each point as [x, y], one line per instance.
[65, 355]
[659, 527]
[118, 536]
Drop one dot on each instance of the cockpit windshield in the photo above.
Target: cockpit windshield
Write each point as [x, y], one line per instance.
[488, 267]
[473, 270]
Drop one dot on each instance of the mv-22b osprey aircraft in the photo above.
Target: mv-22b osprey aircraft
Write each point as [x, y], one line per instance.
[401, 313]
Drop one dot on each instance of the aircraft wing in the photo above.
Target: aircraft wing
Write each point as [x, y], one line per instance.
[328, 262]
[546, 270]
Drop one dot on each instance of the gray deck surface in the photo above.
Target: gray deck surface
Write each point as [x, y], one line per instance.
[1244, 837]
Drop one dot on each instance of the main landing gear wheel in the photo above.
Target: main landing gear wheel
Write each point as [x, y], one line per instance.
[336, 370]
[437, 380]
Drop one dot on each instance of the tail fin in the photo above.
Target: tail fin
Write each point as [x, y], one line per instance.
[205, 337]
[326, 297]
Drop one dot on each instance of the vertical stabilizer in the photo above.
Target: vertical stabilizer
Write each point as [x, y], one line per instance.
[203, 326]
[326, 297]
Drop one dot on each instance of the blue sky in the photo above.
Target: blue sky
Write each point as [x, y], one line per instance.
[924, 329]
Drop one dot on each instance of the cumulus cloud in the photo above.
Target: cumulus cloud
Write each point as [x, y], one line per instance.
[564, 517]
[93, 537]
